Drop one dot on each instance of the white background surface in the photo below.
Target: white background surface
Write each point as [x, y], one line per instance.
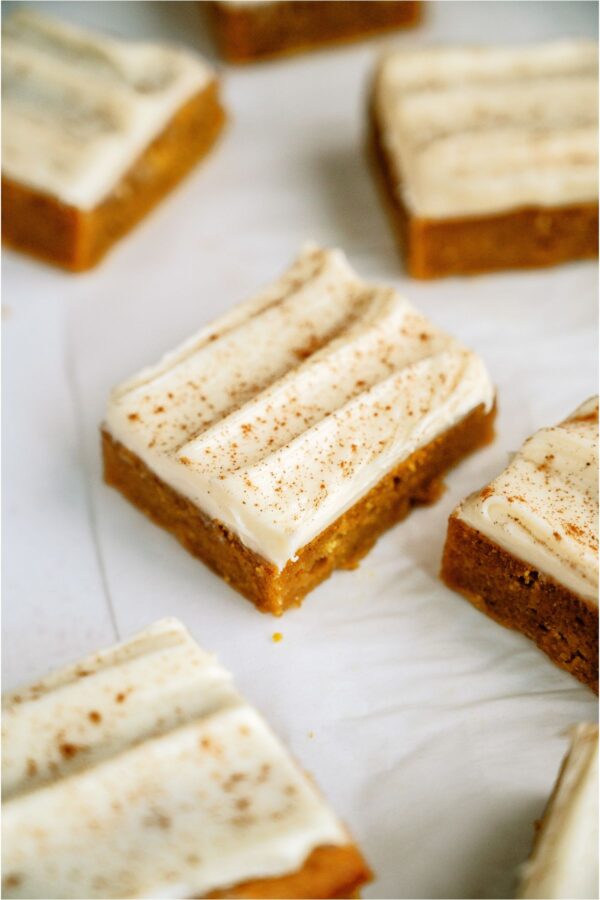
[435, 733]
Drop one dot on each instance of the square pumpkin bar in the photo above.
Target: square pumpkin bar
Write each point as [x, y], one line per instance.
[95, 132]
[488, 157]
[142, 772]
[524, 549]
[263, 29]
[280, 442]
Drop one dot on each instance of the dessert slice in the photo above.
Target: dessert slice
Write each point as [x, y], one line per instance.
[278, 443]
[95, 131]
[524, 550]
[141, 772]
[252, 30]
[564, 861]
[488, 157]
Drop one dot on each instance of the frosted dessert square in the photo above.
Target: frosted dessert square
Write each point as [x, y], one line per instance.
[141, 772]
[488, 156]
[95, 132]
[281, 441]
[564, 861]
[524, 549]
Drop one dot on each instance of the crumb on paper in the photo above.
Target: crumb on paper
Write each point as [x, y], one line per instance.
[276, 637]
[311, 734]
[6, 312]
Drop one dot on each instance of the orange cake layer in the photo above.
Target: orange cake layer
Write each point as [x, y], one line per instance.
[518, 596]
[77, 239]
[251, 31]
[416, 480]
[518, 239]
[329, 872]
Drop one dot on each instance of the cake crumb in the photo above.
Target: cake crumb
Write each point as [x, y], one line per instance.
[276, 637]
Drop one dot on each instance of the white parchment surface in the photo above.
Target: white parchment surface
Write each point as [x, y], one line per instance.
[434, 732]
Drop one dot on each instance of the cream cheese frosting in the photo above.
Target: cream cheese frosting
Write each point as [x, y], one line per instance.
[141, 772]
[543, 508]
[475, 130]
[78, 107]
[564, 863]
[279, 417]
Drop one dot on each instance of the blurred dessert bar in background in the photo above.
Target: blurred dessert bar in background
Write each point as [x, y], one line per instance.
[95, 131]
[564, 861]
[488, 157]
[278, 443]
[524, 550]
[141, 772]
[247, 30]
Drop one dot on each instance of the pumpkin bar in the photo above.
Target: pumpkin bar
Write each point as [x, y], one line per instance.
[142, 772]
[278, 443]
[524, 550]
[564, 861]
[488, 157]
[95, 131]
[263, 29]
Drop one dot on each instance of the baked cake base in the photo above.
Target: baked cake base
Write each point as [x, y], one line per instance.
[561, 623]
[342, 545]
[263, 31]
[329, 872]
[76, 239]
[525, 238]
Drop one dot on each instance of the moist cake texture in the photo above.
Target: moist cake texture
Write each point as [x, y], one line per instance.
[489, 155]
[263, 29]
[525, 548]
[564, 861]
[281, 418]
[142, 772]
[95, 131]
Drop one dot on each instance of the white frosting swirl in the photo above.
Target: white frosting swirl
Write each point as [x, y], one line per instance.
[141, 772]
[281, 416]
[78, 108]
[543, 508]
[476, 131]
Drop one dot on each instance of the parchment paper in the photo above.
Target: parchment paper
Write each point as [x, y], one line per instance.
[434, 732]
